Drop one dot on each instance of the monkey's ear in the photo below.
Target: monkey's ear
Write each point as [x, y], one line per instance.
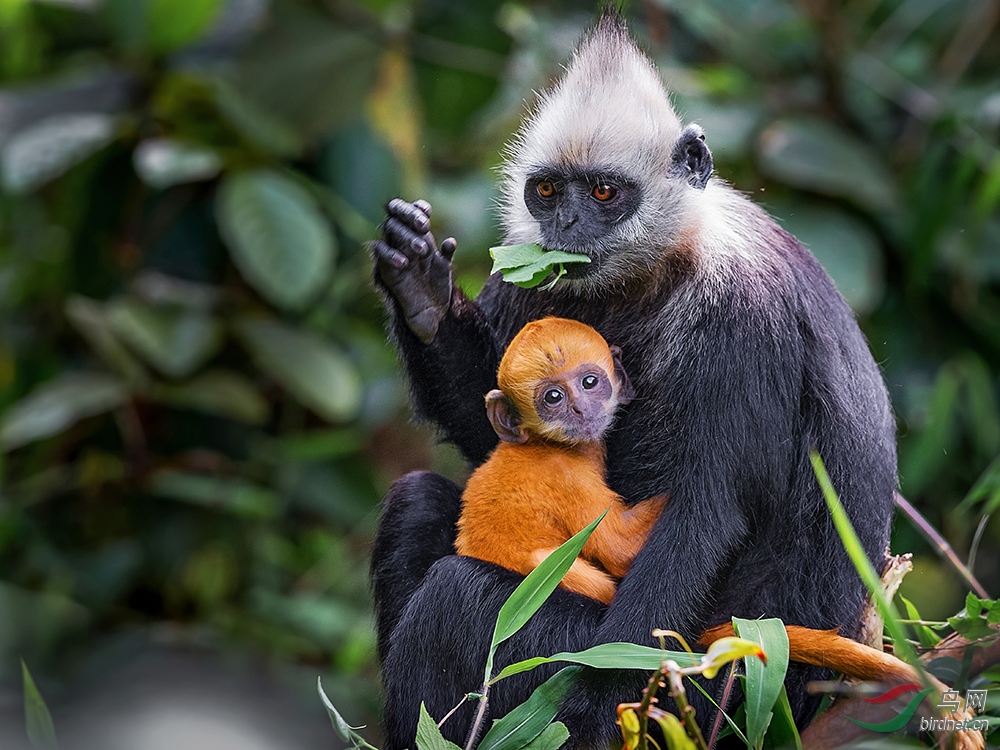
[625, 390]
[691, 159]
[504, 418]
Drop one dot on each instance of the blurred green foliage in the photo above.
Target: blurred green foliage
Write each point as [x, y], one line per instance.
[199, 411]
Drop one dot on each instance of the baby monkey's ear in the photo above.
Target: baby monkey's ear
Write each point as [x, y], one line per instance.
[625, 390]
[504, 418]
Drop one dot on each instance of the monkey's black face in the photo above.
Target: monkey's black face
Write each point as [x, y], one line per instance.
[580, 404]
[577, 209]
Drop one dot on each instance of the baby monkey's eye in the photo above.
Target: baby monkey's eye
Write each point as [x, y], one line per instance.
[546, 189]
[589, 381]
[553, 396]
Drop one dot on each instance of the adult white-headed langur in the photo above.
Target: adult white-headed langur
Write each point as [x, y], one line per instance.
[743, 356]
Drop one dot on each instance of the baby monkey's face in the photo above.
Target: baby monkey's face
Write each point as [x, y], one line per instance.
[578, 405]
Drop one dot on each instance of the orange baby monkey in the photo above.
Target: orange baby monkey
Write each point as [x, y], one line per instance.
[560, 384]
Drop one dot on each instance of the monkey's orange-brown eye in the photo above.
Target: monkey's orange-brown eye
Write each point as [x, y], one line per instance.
[603, 192]
[546, 189]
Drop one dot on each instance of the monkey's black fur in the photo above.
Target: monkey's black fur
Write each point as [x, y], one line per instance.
[743, 357]
[734, 385]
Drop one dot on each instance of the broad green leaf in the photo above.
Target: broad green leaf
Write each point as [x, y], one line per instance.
[783, 733]
[526, 722]
[848, 249]
[58, 404]
[927, 637]
[507, 257]
[764, 682]
[552, 737]
[263, 128]
[43, 151]
[528, 265]
[813, 154]
[223, 393]
[237, 496]
[171, 24]
[90, 319]
[317, 373]
[276, 236]
[163, 163]
[344, 730]
[607, 656]
[429, 737]
[532, 592]
[673, 732]
[972, 622]
[863, 565]
[174, 340]
[38, 721]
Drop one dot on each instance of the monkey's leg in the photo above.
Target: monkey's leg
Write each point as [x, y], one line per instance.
[417, 528]
[582, 577]
[438, 649]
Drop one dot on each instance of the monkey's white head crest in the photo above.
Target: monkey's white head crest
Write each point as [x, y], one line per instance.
[609, 113]
[610, 106]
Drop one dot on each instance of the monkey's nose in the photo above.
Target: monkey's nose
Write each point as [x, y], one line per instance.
[565, 220]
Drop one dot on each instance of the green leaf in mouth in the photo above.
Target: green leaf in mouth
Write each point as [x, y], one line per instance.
[528, 265]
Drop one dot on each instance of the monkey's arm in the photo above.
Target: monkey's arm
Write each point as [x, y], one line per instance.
[619, 537]
[444, 338]
[582, 577]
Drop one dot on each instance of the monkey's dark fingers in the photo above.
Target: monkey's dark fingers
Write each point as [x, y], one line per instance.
[384, 254]
[404, 239]
[423, 206]
[448, 248]
[410, 214]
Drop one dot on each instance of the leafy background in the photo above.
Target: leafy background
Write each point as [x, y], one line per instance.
[199, 411]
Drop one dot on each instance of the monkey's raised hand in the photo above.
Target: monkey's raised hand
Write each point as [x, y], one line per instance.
[412, 269]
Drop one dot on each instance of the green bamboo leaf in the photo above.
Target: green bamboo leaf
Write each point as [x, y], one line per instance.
[429, 736]
[525, 723]
[863, 565]
[927, 637]
[316, 372]
[59, 404]
[276, 236]
[606, 656]
[344, 730]
[764, 682]
[41, 731]
[535, 589]
[552, 737]
[783, 733]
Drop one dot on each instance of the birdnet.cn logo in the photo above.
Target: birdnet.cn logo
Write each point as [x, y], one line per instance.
[975, 701]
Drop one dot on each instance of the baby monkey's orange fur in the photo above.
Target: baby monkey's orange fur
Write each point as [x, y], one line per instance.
[545, 481]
